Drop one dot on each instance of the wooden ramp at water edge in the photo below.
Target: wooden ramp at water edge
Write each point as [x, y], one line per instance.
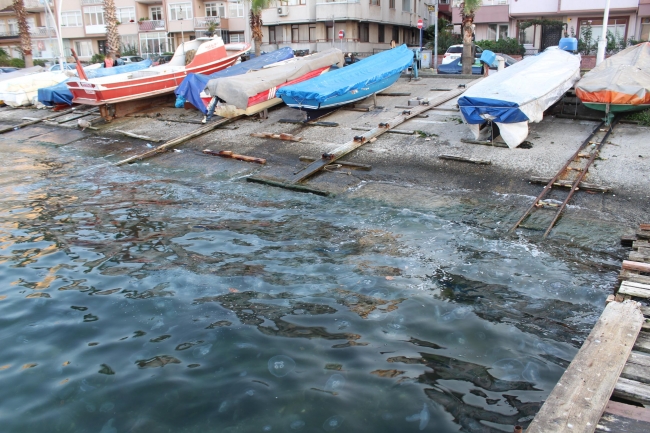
[606, 388]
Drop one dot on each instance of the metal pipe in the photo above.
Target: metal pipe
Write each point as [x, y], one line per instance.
[435, 38]
[602, 42]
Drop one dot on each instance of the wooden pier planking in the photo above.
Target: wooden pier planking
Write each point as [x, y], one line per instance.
[642, 343]
[632, 390]
[636, 266]
[620, 417]
[637, 367]
[635, 289]
[579, 399]
[633, 276]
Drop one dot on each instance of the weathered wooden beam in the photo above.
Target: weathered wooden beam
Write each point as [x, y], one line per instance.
[637, 367]
[635, 289]
[640, 256]
[578, 400]
[32, 122]
[621, 417]
[141, 137]
[644, 226]
[281, 136]
[640, 244]
[632, 390]
[392, 131]
[484, 143]
[642, 343]
[633, 276]
[568, 184]
[365, 167]
[230, 154]
[292, 187]
[394, 94]
[307, 123]
[465, 159]
[643, 234]
[178, 140]
[636, 266]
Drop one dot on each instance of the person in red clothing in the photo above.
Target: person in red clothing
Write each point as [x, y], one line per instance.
[109, 62]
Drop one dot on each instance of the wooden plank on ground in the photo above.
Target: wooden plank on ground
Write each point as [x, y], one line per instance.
[644, 227]
[281, 136]
[392, 131]
[643, 234]
[635, 289]
[639, 256]
[642, 343]
[568, 184]
[645, 311]
[636, 266]
[633, 276]
[620, 417]
[466, 159]
[580, 397]
[641, 244]
[32, 122]
[341, 151]
[365, 167]
[632, 390]
[637, 367]
[230, 154]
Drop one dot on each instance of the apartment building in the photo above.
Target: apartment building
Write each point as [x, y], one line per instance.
[150, 27]
[368, 25]
[495, 19]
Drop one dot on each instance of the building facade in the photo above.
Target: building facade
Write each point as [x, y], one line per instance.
[496, 19]
[367, 25]
[147, 27]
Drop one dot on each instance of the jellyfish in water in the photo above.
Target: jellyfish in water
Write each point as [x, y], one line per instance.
[106, 407]
[201, 351]
[267, 428]
[423, 416]
[336, 381]
[297, 424]
[332, 423]
[281, 365]
[108, 427]
[507, 369]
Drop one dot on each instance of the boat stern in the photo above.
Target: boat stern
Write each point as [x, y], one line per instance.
[85, 92]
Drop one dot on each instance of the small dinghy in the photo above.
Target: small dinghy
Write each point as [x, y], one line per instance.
[620, 83]
[255, 91]
[519, 94]
[352, 83]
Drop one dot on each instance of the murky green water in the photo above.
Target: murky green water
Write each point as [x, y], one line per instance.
[140, 300]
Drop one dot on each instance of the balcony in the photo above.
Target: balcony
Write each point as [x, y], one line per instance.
[92, 2]
[350, 9]
[9, 35]
[42, 32]
[35, 5]
[204, 22]
[492, 11]
[151, 25]
[97, 29]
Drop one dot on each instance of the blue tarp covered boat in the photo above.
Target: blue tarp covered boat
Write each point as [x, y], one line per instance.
[192, 86]
[351, 83]
[60, 94]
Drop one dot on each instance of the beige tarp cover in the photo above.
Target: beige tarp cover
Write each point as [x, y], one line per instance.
[623, 78]
[236, 90]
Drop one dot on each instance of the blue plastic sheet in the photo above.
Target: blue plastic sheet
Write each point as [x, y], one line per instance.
[192, 86]
[502, 111]
[60, 94]
[358, 75]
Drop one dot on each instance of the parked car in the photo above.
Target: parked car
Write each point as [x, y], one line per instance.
[455, 52]
[162, 59]
[68, 66]
[131, 59]
[455, 67]
[7, 69]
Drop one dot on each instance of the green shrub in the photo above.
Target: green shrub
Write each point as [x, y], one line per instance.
[17, 63]
[39, 62]
[129, 50]
[509, 46]
[97, 58]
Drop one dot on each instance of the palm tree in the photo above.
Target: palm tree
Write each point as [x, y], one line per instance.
[23, 29]
[468, 9]
[256, 22]
[112, 35]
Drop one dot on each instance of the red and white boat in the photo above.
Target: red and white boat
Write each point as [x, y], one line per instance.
[254, 91]
[209, 56]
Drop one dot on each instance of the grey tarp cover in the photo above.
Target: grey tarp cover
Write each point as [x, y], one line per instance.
[623, 78]
[236, 90]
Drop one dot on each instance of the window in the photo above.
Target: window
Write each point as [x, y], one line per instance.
[272, 38]
[312, 34]
[155, 43]
[3, 28]
[391, 4]
[94, 16]
[124, 15]
[71, 19]
[236, 37]
[497, 31]
[180, 11]
[222, 10]
[236, 10]
[645, 29]
[329, 32]
[527, 35]
[13, 26]
[296, 2]
[295, 33]
[155, 12]
[84, 48]
[128, 43]
[616, 26]
[395, 35]
[381, 32]
[364, 32]
[406, 5]
[374, 2]
[211, 10]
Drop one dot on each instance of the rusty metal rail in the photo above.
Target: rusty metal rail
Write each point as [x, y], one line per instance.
[592, 144]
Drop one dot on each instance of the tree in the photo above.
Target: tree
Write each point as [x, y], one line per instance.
[112, 35]
[23, 29]
[256, 22]
[468, 9]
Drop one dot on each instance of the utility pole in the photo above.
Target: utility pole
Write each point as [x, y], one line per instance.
[433, 16]
[602, 42]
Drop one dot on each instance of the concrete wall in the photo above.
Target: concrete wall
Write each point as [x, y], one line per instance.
[486, 14]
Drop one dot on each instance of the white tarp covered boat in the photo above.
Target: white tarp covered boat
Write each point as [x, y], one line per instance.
[519, 94]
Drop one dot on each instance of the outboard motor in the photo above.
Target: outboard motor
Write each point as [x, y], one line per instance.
[569, 44]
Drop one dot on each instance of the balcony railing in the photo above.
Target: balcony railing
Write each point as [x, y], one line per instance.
[9, 35]
[35, 4]
[204, 22]
[41, 31]
[151, 25]
[92, 2]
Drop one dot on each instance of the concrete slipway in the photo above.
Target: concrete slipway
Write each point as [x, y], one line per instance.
[405, 168]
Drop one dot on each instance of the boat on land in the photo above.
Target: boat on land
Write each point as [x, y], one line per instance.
[201, 55]
[255, 91]
[619, 84]
[192, 86]
[349, 84]
[60, 94]
[519, 94]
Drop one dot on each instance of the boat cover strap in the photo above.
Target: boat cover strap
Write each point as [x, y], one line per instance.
[477, 110]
